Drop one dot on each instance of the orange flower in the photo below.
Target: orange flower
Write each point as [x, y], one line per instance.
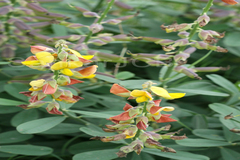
[36, 49]
[86, 72]
[232, 2]
[119, 91]
[164, 118]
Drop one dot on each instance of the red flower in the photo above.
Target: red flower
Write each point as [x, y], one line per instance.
[232, 2]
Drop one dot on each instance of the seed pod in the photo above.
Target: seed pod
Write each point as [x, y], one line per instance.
[8, 51]
[39, 19]
[180, 42]
[81, 9]
[153, 56]
[24, 11]
[177, 27]
[121, 37]
[27, 19]
[39, 36]
[22, 26]
[23, 39]
[183, 34]
[123, 5]
[188, 71]
[55, 16]
[4, 2]
[39, 24]
[36, 7]
[5, 10]
[3, 39]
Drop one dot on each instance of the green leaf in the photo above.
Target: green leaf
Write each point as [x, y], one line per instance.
[108, 154]
[228, 154]
[59, 30]
[225, 110]
[230, 124]
[230, 136]
[13, 137]
[14, 88]
[198, 92]
[199, 122]
[231, 39]
[209, 134]
[223, 82]
[2, 154]
[9, 102]
[107, 78]
[29, 150]
[105, 114]
[9, 109]
[189, 142]
[136, 84]
[89, 146]
[142, 156]
[63, 128]
[40, 125]
[125, 75]
[4, 63]
[180, 155]
[24, 116]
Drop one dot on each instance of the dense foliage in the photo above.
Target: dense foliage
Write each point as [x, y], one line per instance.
[184, 53]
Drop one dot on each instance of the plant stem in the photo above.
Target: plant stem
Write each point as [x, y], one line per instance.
[118, 64]
[201, 59]
[103, 15]
[73, 117]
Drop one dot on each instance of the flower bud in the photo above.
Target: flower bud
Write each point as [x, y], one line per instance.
[91, 14]
[150, 143]
[188, 71]
[50, 86]
[106, 39]
[53, 108]
[235, 130]
[97, 42]
[180, 42]
[95, 28]
[203, 20]
[121, 37]
[21, 25]
[39, 24]
[206, 37]
[55, 16]
[142, 123]
[63, 56]
[168, 48]
[153, 56]
[112, 21]
[183, 34]
[24, 11]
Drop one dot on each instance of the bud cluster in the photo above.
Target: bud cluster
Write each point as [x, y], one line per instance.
[178, 58]
[134, 121]
[65, 63]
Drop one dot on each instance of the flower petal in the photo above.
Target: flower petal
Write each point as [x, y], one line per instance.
[66, 71]
[48, 89]
[44, 57]
[127, 107]
[160, 92]
[88, 71]
[137, 93]
[59, 65]
[74, 64]
[232, 2]
[177, 95]
[119, 90]
[165, 118]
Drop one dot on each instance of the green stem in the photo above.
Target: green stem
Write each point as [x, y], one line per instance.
[144, 113]
[167, 74]
[68, 142]
[73, 117]
[103, 15]
[201, 59]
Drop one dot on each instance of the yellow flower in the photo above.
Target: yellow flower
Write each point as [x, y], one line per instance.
[164, 93]
[141, 95]
[65, 67]
[44, 57]
[79, 55]
[36, 85]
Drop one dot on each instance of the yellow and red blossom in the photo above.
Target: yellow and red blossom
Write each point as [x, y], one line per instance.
[65, 67]
[232, 2]
[53, 108]
[164, 119]
[142, 122]
[65, 96]
[36, 49]
[119, 91]
[86, 72]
